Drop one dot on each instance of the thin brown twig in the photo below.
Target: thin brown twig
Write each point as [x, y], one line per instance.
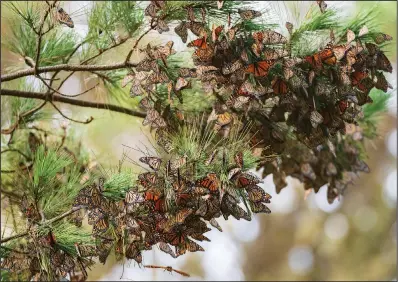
[40, 36]
[79, 94]
[66, 100]
[71, 119]
[15, 150]
[49, 221]
[12, 128]
[100, 52]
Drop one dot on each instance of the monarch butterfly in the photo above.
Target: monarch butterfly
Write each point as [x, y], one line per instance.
[245, 179]
[152, 162]
[133, 197]
[177, 163]
[224, 119]
[160, 205]
[315, 61]
[327, 56]
[289, 27]
[215, 224]
[260, 68]
[162, 26]
[64, 18]
[199, 237]
[233, 172]
[216, 31]
[182, 31]
[169, 269]
[154, 119]
[204, 55]
[197, 28]
[200, 43]
[307, 171]
[381, 82]
[343, 105]
[190, 14]
[127, 79]
[147, 65]
[86, 250]
[381, 38]
[153, 194]
[164, 247]
[322, 5]
[259, 207]
[147, 179]
[237, 101]
[357, 76]
[132, 252]
[273, 54]
[256, 194]
[382, 62]
[315, 118]
[361, 166]
[220, 4]
[231, 68]
[269, 37]
[94, 215]
[152, 9]
[100, 226]
[248, 14]
[279, 86]
[210, 182]
[187, 72]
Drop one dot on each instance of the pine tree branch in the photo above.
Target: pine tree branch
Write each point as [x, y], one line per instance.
[13, 237]
[57, 98]
[40, 36]
[49, 221]
[65, 67]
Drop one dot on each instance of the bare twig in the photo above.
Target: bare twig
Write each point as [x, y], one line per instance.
[100, 52]
[138, 40]
[74, 120]
[14, 237]
[20, 118]
[87, 104]
[79, 94]
[15, 150]
[40, 36]
[49, 221]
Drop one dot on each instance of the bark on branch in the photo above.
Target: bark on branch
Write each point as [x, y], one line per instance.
[66, 100]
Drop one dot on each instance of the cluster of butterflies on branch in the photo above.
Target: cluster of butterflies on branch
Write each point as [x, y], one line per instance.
[256, 77]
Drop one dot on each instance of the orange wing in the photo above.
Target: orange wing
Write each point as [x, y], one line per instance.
[357, 76]
[279, 86]
[199, 43]
[263, 67]
[327, 56]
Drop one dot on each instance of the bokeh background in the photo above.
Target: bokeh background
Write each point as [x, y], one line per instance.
[303, 239]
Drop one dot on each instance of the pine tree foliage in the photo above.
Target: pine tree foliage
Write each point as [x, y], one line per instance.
[240, 97]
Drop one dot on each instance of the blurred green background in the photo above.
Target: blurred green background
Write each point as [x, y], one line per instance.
[354, 239]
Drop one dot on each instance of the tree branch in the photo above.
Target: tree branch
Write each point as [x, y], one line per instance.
[40, 36]
[49, 221]
[65, 67]
[87, 104]
[15, 150]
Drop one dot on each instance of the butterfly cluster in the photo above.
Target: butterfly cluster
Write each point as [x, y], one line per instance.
[170, 207]
[26, 261]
